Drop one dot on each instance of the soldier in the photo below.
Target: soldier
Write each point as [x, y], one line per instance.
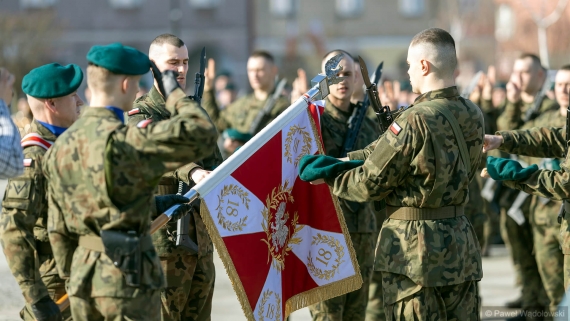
[427, 250]
[10, 150]
[52, 96]
[242, 113]
[547, 239]
[189, 276]
[359, 217]
[524, 102]
[101, 178]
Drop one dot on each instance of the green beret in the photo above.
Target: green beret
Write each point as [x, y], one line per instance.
[119, 59]
[52, 80]
[236, 135]
[313, 167]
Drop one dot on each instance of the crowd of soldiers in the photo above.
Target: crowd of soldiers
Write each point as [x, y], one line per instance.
[77, 211]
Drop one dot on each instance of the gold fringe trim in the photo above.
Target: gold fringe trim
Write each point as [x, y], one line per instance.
[300, 300]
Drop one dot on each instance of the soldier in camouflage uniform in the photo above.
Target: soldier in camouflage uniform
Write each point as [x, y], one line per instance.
[544, 212]
[427, 250]
[522, 90]
[102, 176]
[53, 99]
[189, 276]
[239, 115]
[359, 217]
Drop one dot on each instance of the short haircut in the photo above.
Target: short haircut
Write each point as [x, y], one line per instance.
[337, 52]
[99, 78]
[536, 64]
[263, 54]
[565, 67]
[443, 45]
[167, 38]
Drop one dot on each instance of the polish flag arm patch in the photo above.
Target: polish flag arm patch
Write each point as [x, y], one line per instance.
[144, 123]
[395, 128]
[28, 162]
[134, 111]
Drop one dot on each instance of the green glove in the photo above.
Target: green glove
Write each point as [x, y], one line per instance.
[503, 169]
[313, 167]
[236, 135]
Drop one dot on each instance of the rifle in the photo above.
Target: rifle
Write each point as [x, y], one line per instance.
[357, 117]
[383, 113]
[562, 212]
[182, 226]
[264, 115]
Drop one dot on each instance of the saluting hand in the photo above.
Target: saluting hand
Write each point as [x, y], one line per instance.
[492, 142]
[513, 92]
[210, 75]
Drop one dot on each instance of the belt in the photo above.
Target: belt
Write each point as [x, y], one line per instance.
[43, 248]
[417, 214]
[95, 243]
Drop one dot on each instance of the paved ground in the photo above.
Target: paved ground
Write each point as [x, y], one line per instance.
[497, 287]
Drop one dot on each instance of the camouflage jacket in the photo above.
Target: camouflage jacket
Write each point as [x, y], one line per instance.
[23, 224]
[152, 106]
[513, 113]
[416, 163]
[242, 112]
[102, 176]
[359, 217]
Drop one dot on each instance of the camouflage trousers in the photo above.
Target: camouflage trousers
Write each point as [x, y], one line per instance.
[375, 307]
[189, 286]
[145, 305]
[54, 284]
[519, 241]
[550, 261]
[406, 300]
[351, 306]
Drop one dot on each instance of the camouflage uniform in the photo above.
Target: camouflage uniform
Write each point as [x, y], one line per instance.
[520, 237]
[375, 306]
[430, 268]
[240, 114]
[359, 217]
[102, 176]
[23, 230]
[189, 277]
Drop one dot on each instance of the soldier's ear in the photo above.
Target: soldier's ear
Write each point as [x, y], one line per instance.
[425, 66]
[125, 85]
[49, 104]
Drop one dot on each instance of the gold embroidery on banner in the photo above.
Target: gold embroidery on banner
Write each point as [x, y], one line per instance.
[293, 139]
[273, 311]
[324, 256]
[280, 235]
[232, 207]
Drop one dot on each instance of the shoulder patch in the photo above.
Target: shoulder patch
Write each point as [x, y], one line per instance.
[28, 162]
[395, 128]
[134, 111]
[144, 123]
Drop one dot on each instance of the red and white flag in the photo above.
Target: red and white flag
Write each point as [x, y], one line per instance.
[283, 241]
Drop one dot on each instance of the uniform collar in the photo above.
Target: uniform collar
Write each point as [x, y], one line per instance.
[39, 128]
[448, 92]
[55, 130]
[336, 112]
[118, 111]
[157, 102]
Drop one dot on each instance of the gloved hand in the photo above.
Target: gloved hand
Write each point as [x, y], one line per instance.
[164, 202]
[503, 169]
[46, 310]
[166, 80]
[313, 167]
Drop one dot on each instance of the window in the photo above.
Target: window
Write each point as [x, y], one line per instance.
[204, 4]
[126, 4]
[349, 8]
[37, 3]
[283, 8]
[411, 8]
[504, 22]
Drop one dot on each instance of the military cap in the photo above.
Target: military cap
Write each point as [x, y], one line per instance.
[119, 59]
[52, 80]
[236, 135]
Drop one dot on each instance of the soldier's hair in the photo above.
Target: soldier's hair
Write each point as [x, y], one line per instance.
[339, 51]
[167, 38]
[263, 54]
[99, 78]
[565, 67]
[441, 43]
[536, 64]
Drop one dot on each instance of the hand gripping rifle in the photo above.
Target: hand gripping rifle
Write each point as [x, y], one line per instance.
[382, 112]
[182, 226]
[357, 117]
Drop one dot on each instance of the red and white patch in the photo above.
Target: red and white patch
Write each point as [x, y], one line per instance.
[33, 139]
[395, 128]
[144, 123]
[28, 162]
[134, 111]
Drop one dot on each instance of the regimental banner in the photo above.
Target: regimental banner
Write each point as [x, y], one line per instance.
[283, 241]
